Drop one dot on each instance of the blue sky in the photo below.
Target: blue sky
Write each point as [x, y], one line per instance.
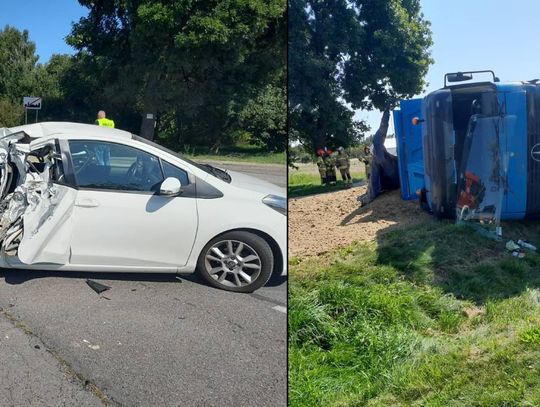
[48, 22]
[467, 34]
[480, 34]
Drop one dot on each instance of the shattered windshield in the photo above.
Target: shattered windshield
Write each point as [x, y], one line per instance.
[483, 169]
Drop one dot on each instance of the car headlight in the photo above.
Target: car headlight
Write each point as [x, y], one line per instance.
[278, 203]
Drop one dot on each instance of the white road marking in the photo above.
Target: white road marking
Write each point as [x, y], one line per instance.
[280, 309]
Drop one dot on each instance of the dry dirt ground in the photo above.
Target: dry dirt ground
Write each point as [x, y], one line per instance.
[323, 222]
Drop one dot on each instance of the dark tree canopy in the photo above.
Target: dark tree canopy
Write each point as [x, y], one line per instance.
[351, 54]
[213, 72]
[199, 62]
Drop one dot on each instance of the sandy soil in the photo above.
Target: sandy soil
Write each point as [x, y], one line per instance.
[319, 223]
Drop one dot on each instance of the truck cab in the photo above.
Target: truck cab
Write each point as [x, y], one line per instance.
[472, 147]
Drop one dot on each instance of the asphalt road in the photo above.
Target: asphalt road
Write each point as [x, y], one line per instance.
[149, 340]
[276, 174]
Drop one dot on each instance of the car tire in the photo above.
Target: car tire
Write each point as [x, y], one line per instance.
[236, 261]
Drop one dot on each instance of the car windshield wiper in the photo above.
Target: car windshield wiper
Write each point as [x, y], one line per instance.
[217, 172]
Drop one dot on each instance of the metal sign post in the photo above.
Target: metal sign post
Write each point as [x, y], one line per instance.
[148, 126]
[31, 103]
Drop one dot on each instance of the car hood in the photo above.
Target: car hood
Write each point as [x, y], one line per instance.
[244, 181]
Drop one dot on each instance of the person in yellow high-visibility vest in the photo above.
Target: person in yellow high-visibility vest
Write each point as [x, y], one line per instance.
[103, 121]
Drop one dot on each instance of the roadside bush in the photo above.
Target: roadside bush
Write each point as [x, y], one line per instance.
[10, 113]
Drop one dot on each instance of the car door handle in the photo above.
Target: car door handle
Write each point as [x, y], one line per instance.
[86, 203]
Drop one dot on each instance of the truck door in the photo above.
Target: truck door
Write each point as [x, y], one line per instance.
[409, 148]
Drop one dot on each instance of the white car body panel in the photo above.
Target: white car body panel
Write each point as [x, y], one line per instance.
[250, 183]
[228, 217]
[48, 228]
[143, 223]
[105, 230]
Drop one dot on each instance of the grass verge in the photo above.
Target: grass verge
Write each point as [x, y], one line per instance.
[434, 315]
[303, 183]
[239, 152]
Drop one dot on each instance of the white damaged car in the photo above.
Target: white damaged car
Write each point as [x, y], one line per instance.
[88, 198]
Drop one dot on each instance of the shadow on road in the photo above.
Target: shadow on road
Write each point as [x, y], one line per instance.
[20, 276]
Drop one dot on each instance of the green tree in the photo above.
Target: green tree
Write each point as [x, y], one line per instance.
[265, 117]
[351, 54]
[18, 61]
[198, 62]
[11, 114]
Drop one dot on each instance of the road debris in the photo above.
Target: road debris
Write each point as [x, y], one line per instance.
[518, 253]
[526, 245]
[97, 287]
[511, 246]
[91, 345]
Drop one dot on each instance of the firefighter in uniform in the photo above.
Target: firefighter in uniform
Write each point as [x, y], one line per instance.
[322, 166]
[330, 164]
[366, 160]
[103, 121]
[344, 165]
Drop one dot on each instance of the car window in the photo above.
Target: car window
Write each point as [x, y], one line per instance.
[170, 170]
[114, 166]
[216, 172]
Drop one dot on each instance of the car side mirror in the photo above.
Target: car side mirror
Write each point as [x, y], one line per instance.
[170, 187]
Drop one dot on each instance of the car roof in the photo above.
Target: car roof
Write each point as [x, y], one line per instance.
[69, 129]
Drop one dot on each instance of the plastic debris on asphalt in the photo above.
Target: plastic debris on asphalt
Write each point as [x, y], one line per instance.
[97, 287]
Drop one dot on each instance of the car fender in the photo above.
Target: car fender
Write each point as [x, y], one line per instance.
[211, 224]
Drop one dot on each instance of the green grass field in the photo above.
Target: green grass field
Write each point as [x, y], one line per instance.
[434, 315]
[303, 183]
[241, 152]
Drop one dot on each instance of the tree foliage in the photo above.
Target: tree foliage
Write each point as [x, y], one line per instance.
[17, 64]
[351, 54]
[198, 63]
[265, 117]
[17, 73]
[210, 70]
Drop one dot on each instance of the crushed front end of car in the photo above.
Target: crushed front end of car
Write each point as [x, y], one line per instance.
[28, 194]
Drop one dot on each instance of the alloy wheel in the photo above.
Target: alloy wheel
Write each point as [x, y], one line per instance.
[233, 263]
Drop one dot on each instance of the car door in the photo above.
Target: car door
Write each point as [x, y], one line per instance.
[119, 218]
[47, 219]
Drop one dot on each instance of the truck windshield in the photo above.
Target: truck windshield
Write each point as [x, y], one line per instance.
[483, 170]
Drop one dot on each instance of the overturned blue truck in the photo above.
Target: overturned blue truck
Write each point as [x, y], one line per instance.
[472, 150]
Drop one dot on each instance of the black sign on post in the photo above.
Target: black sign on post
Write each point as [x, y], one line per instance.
[148, 125]
[31, 103]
